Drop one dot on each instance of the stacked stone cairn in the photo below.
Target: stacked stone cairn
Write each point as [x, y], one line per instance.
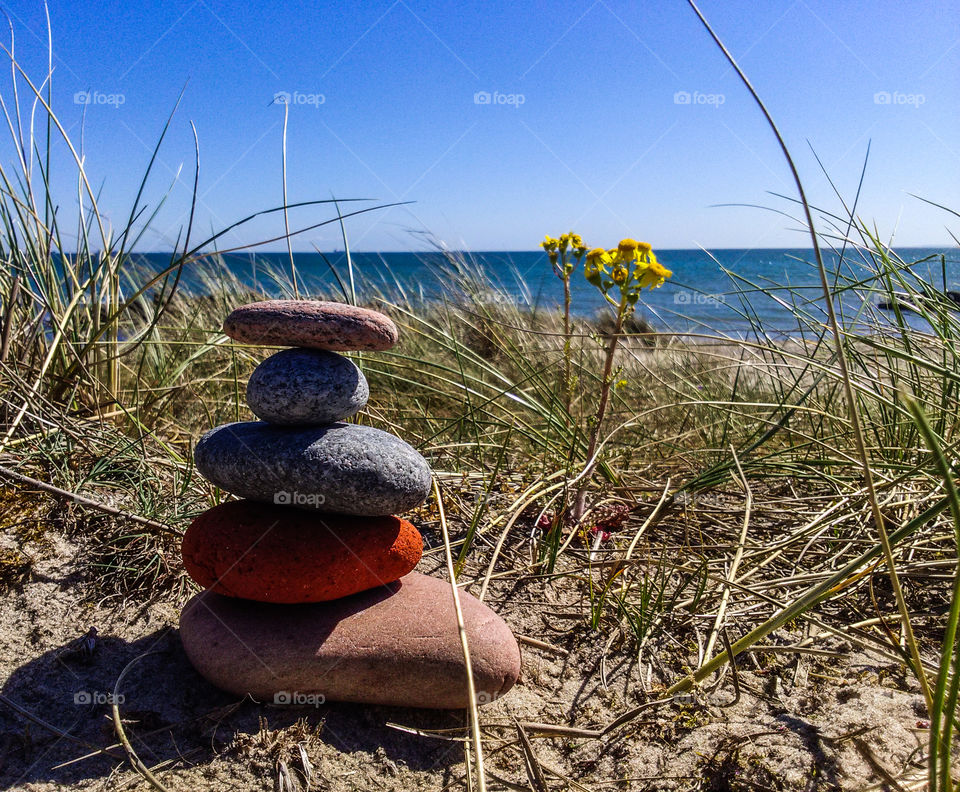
[310, 592]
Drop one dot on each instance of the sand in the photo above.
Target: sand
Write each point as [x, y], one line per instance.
[810, 723]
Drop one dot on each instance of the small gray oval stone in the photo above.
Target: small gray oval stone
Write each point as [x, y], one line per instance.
[306, 386]
[342, 468]
[395, 645]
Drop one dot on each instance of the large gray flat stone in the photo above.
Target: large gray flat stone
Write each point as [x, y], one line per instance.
[341, 468]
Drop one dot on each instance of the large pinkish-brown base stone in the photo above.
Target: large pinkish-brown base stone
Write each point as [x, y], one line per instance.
[311, 323]
[395, 645]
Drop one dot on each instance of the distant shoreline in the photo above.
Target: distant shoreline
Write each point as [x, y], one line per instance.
[504, 251]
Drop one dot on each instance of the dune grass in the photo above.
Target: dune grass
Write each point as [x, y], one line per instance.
[748, 484]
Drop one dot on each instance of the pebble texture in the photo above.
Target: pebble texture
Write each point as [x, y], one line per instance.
[393, 646]
[306, 386]
[341, 468]
[270, 553]
[311, 323]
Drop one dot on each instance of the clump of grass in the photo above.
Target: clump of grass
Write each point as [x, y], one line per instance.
[281, 752]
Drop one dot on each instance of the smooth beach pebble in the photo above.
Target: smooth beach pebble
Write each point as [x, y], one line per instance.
[270, 553]
[311, 323]
[306, 386]
[394, 645]
[341, 468]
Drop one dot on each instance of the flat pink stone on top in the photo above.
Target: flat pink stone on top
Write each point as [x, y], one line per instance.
[311, 323]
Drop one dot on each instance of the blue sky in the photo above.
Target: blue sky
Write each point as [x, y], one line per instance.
[614, 118]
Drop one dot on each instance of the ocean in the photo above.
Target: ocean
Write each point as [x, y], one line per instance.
[722, 292]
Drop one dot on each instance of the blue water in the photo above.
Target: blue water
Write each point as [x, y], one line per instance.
[711, 293]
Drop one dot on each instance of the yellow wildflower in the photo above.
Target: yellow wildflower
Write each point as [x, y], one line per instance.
[598, 257]
[627, 250]
[620, 274]
[647, 255]
[653, 275]
[550, 245]
[597, 261]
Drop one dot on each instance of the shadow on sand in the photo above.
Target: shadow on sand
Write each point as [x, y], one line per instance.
[55, 709]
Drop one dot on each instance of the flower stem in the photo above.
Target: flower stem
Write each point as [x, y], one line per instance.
[567, 384]
[579, 505]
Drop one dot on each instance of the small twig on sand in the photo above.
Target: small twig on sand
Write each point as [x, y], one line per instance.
[132, 757]
[556, 730]
[19, 477]
[219, 711]
[864, 750]
[53, 729]
[733, 667]
[630, 715]
[548, 647]
[535, 775]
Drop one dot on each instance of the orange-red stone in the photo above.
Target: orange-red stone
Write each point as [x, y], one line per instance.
[282, 554]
